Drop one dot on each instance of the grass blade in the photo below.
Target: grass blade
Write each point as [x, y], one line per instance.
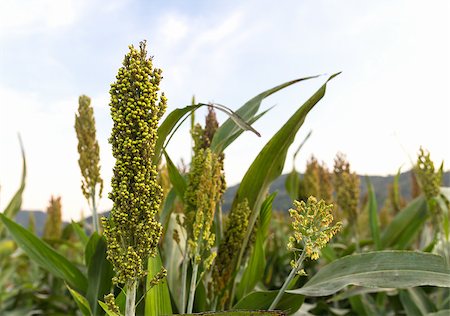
[45, 256]
[373, 215]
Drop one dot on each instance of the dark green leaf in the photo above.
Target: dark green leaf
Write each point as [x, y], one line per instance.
[385, 269]
[90, 248]
[45, 256]
[416, 302]
[100, 274]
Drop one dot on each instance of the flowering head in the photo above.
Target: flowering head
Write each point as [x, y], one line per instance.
[429, 179]
[311, 222]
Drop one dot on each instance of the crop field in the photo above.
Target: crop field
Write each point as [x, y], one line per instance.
[168, 247]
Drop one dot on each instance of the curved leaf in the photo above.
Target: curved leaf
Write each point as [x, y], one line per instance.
[405, 226]
[384, 269]
[246, 112]
[271, 161]
[45, 256]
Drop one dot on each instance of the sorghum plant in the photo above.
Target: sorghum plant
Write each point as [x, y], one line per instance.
[132, 231]
[89, 161]
[312, 230]
[53, 222]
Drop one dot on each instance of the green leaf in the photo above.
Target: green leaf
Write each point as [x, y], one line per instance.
[81, 301]
[157, 300]
[290, 303]
[45, 256]
[384, 269]
[229, 139]
[80, 233]
[292, 184]
[373, 215]
[167, 209]
[396, 188]
[271, 161]
[440, 313]
[416, 302]
[100, 274]
[168, 125]
[90, 248]
[177, 180]
[405, 226]
[222, 136]
[254, 271]
[14, 205]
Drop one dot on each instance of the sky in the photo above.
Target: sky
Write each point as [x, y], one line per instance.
[392, 97]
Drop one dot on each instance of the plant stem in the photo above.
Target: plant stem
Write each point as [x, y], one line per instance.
[183, 281]
[192, 288]
[130, 306]
[94, 212]
[287, 281]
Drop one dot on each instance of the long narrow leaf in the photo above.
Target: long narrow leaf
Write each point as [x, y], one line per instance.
[81, 301]
[289, 303]
[45, 256]
[373, 215]
[100, 274]
[14, 205]
[177, 180]
[271, 160]
[406, 225]
[385, 269]
[245, 112]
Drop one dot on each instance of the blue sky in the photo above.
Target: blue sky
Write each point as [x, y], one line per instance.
[392, 97]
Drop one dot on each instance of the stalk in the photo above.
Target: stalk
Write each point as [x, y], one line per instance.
[192, 288]
[130, 305]
[94, 212]
[288, 281]
[184, 280]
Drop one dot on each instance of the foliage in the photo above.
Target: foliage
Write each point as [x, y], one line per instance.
[393, 262]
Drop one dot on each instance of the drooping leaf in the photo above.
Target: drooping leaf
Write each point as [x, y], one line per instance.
[225, 142]
[292, 184]
[385, 269]
[373, 215]
[41, 253]
[81, 301]
[157, 300]
[100, 274]
[246, 112]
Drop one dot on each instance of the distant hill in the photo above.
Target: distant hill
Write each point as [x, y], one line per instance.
[282, 200]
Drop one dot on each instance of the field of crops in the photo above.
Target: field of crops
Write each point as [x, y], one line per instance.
[168, 248]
